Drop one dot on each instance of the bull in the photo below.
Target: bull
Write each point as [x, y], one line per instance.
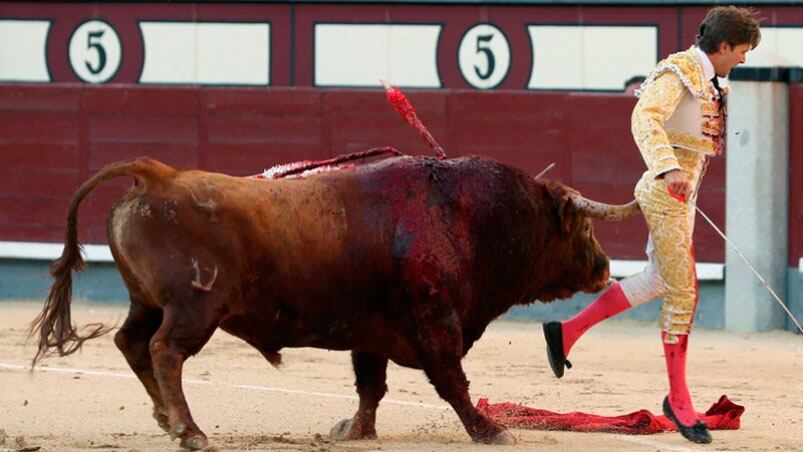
[405, 259]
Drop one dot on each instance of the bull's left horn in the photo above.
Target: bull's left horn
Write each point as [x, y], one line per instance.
[607, 212]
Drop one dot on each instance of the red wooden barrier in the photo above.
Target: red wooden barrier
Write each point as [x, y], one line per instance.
[53, 137]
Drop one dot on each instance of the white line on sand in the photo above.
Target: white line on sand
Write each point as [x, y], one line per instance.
[657, 444]
[98, 373]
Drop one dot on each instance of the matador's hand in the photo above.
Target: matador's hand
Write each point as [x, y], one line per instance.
[677, 183]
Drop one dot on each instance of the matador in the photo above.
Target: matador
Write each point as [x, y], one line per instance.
[678, 123]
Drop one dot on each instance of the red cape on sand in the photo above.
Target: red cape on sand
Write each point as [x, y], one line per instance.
[723, 415]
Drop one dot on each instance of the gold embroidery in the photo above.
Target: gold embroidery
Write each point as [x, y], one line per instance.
[655, 106]
[671, 225]
[687, 68]
[692, 143]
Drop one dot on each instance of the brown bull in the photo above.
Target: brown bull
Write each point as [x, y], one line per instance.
[407, 259]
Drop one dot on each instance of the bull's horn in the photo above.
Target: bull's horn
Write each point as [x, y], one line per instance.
[607, 212]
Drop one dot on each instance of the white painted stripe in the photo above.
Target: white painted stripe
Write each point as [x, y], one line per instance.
[102, 253]
[51, 251]
[97, 373]
[362, 54]
[706, 271]
[22, 50]
[656, 444]
[590, 57]
[780, 46]
[206, 53]
[800, 265]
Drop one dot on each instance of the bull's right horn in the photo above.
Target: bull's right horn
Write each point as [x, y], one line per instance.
[602, 211]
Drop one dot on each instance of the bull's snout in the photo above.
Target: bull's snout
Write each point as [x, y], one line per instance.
[601, 273]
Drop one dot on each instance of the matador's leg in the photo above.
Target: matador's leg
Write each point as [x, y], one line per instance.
[671, 225]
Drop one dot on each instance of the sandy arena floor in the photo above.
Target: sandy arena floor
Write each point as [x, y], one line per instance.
[91, 400]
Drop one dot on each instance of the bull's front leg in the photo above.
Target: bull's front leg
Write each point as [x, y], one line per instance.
[440, 349]
[370, 371]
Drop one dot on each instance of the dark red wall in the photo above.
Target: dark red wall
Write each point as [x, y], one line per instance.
[53, 137]
[795, 174]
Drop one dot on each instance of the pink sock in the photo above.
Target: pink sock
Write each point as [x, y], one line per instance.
[612, 302]
[679, 397]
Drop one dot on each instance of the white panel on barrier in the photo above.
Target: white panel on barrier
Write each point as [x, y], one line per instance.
[590, 57]
[779, 46]
[23, 50]
[206, 53]
[361, 54]
[51, 251]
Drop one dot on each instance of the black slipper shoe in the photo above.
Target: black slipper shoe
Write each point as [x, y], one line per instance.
[697, 433]
[553, 333]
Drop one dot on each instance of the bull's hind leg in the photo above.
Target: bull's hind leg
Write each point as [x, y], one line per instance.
[133, 340]
[440, 348]
[370, 370]
[184, 331]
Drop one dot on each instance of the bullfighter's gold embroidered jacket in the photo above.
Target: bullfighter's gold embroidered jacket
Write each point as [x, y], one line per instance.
[678, 109]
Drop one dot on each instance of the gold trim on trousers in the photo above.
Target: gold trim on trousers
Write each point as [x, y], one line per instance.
[670, 249]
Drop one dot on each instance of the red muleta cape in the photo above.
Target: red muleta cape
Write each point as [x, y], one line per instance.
[723, 415]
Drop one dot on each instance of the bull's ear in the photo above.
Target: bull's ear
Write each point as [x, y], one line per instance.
[568, 214]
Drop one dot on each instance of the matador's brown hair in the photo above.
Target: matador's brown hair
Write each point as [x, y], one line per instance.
[729, 24]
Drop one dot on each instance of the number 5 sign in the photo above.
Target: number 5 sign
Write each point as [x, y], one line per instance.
[484, 56]
[95, 51]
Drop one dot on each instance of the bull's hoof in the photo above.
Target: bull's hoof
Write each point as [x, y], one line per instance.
[341, 430]
[346, 430]
[194, 442]
[504, 438]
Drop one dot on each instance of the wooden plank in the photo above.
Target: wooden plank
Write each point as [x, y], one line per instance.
[38, 128]
[176, 155]
[49, 98]
[32, 233]
[139, 99]
[143, 129]
[269, 129]
[32, 211]
[295, 102]
[36, 155]
[37, 182]
[359, 131]
[622, 165]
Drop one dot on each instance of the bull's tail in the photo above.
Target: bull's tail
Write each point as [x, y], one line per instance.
[57, 334]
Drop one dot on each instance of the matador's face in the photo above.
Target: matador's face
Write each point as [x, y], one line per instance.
[730, 57]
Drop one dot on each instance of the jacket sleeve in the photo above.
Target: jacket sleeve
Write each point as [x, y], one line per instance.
[657, 102]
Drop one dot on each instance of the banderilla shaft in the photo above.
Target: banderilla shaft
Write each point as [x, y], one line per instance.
[739, 253]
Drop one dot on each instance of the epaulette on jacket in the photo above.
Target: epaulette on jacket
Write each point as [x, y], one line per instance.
[685, 66]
